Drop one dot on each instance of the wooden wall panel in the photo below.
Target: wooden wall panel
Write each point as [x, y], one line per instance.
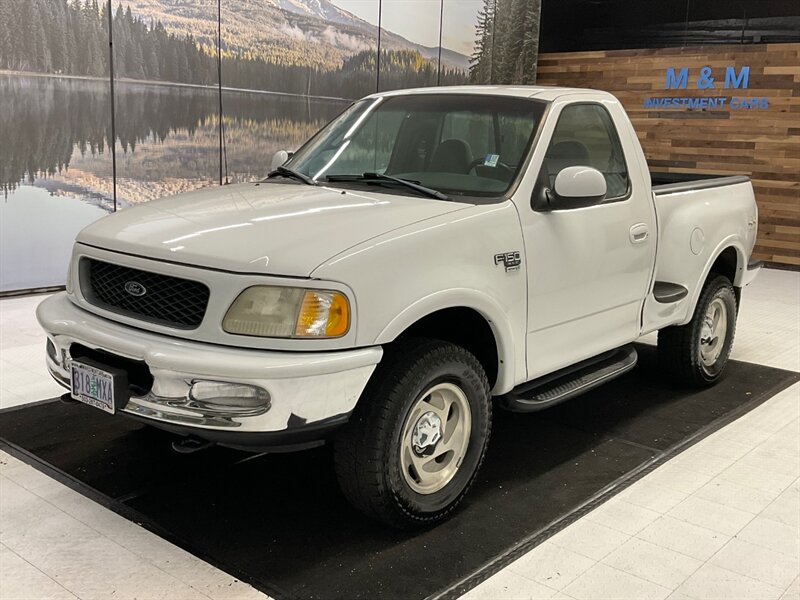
[761, 143]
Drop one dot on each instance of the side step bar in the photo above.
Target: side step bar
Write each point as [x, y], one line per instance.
[569, 382]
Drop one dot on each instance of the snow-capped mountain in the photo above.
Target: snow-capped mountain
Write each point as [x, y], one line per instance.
[296, 32]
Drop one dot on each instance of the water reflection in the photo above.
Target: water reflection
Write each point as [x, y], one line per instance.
[167, 136]
[55, 166]
[36, 235]
[43, 122]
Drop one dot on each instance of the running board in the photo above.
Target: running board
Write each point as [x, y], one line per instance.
[569, 382]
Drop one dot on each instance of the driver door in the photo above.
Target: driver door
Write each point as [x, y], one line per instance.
[589, 268]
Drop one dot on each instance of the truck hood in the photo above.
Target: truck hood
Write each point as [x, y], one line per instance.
[270, 228]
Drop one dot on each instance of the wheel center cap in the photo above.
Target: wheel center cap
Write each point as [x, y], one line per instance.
[426, 434]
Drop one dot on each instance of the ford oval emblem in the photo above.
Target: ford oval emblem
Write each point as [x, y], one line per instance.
[134, 288]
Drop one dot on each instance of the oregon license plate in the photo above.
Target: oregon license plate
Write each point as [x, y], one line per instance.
[93, 386]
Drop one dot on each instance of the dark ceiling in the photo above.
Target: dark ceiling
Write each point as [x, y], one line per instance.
[570, 25]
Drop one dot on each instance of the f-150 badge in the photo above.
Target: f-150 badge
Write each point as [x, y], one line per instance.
[511, 260]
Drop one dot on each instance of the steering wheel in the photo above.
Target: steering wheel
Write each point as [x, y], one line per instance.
[500, 171]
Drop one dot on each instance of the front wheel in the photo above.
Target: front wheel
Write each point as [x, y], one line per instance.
[696, 353]
[418, 436]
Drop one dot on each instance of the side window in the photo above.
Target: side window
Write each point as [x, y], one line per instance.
[585, 135]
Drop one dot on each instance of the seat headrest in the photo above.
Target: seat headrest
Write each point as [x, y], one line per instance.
[451, 156]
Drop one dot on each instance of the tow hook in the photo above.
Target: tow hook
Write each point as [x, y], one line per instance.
[190, 445]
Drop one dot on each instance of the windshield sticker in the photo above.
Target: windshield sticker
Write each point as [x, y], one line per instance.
[490, 160]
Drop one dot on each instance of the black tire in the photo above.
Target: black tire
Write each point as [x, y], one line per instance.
[367, 450]
[680, 347]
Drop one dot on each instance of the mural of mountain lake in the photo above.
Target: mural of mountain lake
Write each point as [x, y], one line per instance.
[55, 164]
[36, 235]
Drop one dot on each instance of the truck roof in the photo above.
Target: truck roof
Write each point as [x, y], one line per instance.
[546, 93]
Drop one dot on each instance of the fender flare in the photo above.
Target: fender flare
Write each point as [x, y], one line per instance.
[732, 241]
[485, 305]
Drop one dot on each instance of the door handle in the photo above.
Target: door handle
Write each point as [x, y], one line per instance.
[639, 233]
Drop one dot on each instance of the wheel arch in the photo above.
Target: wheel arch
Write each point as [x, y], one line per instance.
[728, 260]
[468, 319]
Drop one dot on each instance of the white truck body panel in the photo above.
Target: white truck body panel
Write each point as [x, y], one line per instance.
[717, 218]
[455, 253]
[272, 229]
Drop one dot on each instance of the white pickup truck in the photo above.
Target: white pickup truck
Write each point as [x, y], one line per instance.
[427, 254]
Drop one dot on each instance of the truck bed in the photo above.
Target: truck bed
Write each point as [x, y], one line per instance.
[699, 217]
[671, 183]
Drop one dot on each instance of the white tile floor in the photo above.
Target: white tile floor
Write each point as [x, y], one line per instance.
[721, 520]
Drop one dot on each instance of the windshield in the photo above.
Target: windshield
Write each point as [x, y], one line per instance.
[457, 144]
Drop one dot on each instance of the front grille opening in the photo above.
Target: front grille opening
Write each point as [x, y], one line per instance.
[140, 380]
[153, 297]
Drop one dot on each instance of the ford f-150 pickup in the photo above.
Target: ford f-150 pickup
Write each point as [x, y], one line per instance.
[429, 254]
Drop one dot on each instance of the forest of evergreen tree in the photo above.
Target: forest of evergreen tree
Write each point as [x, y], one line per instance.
[71, 38]
[507, 42]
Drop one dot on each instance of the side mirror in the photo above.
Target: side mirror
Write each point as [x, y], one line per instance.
[280, 158]
[577, 187]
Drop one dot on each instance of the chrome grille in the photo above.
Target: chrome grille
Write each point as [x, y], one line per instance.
[153, 297]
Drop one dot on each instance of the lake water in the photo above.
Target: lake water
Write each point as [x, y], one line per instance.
[55, 163]
[37, 230]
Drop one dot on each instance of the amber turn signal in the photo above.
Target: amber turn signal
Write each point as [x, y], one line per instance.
[323, 314]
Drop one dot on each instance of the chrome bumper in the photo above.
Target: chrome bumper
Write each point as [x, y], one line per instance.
[305, 389]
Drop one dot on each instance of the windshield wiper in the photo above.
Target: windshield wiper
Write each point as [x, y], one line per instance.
[287, 172]
[380, 177]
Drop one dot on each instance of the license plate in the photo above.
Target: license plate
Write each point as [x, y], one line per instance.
[93, 386]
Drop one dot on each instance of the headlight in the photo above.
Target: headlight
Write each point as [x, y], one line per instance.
[283, 312]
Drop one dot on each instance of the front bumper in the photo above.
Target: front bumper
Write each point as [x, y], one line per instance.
[308, 391]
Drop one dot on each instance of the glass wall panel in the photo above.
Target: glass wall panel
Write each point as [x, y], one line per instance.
[410, 46]
[257, 125]
[55, 171]
[167, 108]
[506, 42]
[287, 71]
[351, 35]
[461, 21]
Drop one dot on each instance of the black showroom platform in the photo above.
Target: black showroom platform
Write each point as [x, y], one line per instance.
[280, 523]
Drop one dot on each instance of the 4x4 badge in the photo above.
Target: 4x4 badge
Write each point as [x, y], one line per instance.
[511, 260]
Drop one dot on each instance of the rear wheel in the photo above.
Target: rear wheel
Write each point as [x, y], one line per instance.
[696, 353]
[418, 436]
